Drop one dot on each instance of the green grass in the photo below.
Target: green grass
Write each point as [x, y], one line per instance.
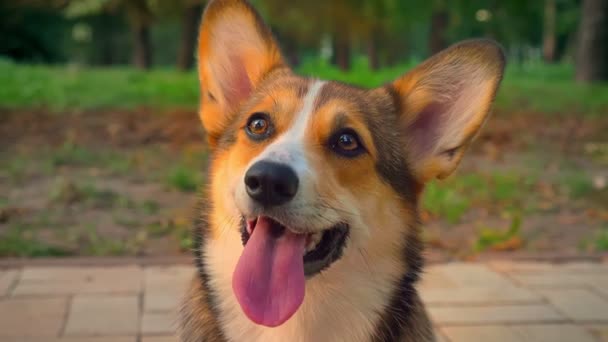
[22, 242]
[61, 88]
[601, 240]
[542, 88]
[446, 202]
[187, 174]
[598, 241]
[66, 192]
[184, 178]
[96, 244]
[452, 198]
[577, 184]
[491, 237]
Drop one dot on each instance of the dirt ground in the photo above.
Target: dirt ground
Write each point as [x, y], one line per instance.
[125, 183]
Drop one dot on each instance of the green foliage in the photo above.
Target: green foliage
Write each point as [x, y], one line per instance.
[96, 244]
[502, 192]
[445, 202]
[597, 242]
[150, 207]
[71, 154]
[22, 242]
[185, 239]
[61, 88]
[539, 88]
[491, 237]
[601, 240]
[184, 178]
[577, 184]
[66, 192]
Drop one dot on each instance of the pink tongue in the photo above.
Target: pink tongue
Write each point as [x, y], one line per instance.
[269, 278]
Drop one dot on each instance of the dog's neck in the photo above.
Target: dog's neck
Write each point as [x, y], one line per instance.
[362, 297]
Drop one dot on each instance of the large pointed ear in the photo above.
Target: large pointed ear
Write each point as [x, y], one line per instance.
[444, 103]
[236, 50]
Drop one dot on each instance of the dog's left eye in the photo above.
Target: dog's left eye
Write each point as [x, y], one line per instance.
[347, 143]
[259, 126]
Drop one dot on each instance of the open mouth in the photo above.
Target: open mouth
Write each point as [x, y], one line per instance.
[270, 276]
[322, 248]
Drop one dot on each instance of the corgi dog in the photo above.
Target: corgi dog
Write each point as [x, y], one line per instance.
[309, 228]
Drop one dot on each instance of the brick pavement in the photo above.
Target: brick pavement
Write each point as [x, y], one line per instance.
[494, 301]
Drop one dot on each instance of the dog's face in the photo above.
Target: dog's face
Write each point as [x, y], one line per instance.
[309, 171]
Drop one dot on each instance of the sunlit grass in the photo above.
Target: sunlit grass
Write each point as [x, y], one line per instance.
[539, 88]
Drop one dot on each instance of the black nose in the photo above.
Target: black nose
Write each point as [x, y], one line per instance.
[271, 183]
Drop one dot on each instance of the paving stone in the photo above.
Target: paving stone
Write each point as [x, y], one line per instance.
[103, 315]
[493, 314]
[433, 278]
[553, 333]
[600, 331]
[158, 323]
[586, 266]
[601, 287]
[159, 339]
[161, 279]
[163, 301]
[78, 280]
[494, 333]
[165, 287]
[579, 305]
[17, 315]
[74, 339]
[545, 267]
[519, 333]
[7, 279]
[479, 295]
[473, 275]
[560, 279]
[504, 266]
[439, 335]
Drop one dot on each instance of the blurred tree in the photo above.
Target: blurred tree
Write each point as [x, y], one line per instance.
[140, 18]
[549, 34]
[440, 17]
[138, 14]
[188, 13]
[191, 15]
[592, 54]
[33, 31]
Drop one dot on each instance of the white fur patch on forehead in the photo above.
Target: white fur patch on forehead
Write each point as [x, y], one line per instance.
[302, 118]
[289, 147]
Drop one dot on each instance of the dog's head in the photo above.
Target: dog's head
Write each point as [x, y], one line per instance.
[317, 170]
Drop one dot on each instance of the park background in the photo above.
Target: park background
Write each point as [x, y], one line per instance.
[102, 152]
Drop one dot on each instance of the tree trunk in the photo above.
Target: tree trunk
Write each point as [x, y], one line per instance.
[549, 37]
[592, 54]
[372, 51]
[190, 21]
[439, 25]
[142, 48]
[292, 54]
[341, 56]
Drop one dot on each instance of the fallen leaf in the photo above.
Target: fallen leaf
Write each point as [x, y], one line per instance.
[512, 244]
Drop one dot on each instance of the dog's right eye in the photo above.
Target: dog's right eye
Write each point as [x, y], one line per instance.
[346, 143]
[259, 126]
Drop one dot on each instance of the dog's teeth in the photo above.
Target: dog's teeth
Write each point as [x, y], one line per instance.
[313, 241]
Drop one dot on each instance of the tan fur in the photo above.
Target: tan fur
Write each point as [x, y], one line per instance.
[466, 76]
[367, 294]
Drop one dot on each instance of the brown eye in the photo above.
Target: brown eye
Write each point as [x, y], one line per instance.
[258, 126]
[346, 143]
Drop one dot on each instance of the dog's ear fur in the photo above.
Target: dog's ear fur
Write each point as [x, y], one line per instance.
[235, 51]
[444, 102]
